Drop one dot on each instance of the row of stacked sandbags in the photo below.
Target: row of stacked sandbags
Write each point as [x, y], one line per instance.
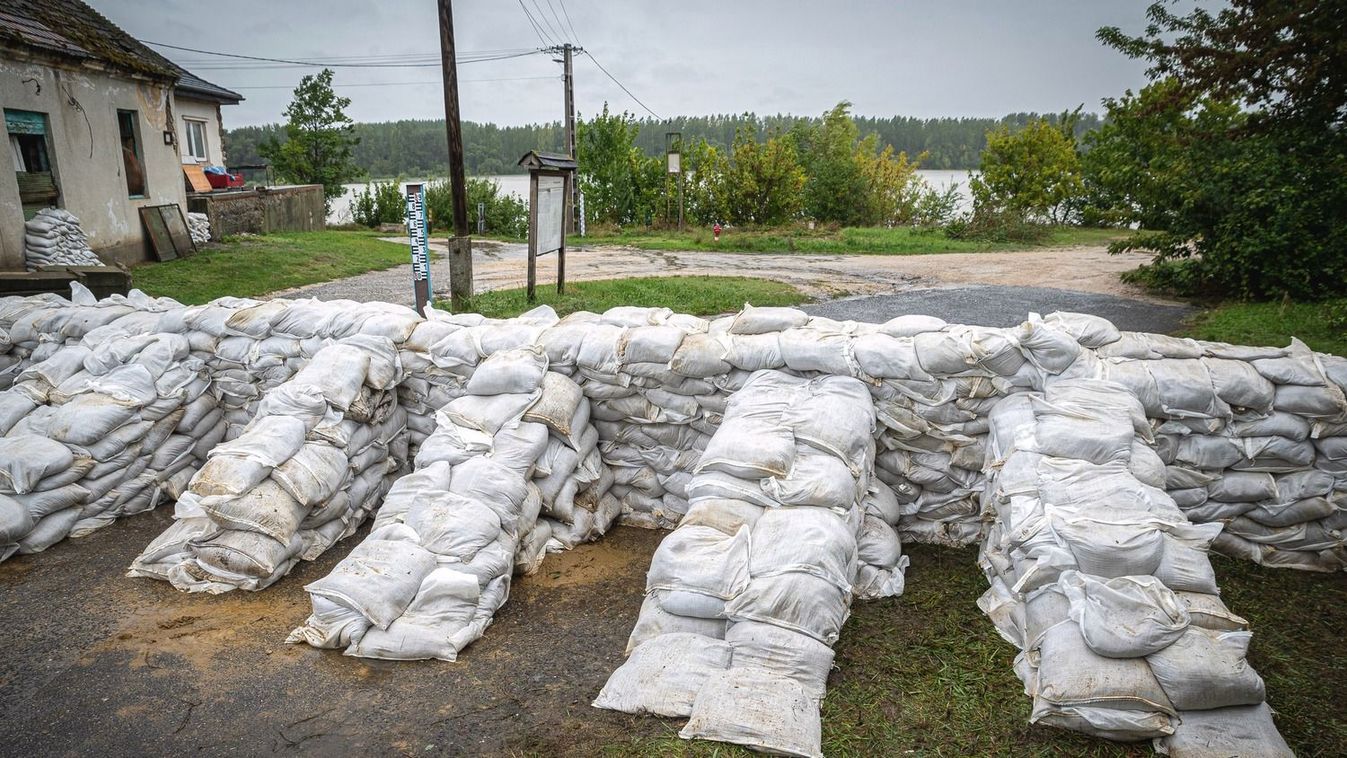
[747, 596]
[429, 578]
[1254, 438]
[86, 436]
[251, 346]
[53, 237]
[660, 381]
[1106, 587]
[32, 328]
[315, 460]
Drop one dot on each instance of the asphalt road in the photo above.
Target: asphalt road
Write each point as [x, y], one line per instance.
[1005, 306]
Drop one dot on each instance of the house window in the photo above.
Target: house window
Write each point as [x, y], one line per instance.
[27, 133]
[196, 139]
[128, 128]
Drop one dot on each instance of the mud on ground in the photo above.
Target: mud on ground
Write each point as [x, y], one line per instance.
[99, 664]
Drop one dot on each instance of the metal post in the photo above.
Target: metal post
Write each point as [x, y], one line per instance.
[460, 245]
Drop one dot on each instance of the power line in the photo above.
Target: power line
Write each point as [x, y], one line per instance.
[552, 33]
[567, 14]
[536, 29]
[623, 86]
[400, 84]
[556, 16]
[480, 58]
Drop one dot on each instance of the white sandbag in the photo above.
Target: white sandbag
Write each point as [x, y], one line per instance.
[380, 577]
[26, 459]
[750, 706]
[1224, 732]
[703, 560]
[1124, 617]
[445, 604]
[1205, 669]
[664, 675]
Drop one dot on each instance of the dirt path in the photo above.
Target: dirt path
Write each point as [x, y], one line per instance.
[501, 266]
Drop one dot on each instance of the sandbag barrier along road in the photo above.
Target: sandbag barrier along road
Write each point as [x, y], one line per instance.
[1249, 441]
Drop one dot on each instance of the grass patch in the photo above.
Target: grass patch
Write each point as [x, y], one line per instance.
[251, 266]
[847, 240]
[1322, 326]
[698, 295]
[926, 673]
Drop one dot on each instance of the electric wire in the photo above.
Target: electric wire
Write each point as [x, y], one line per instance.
[623, 86]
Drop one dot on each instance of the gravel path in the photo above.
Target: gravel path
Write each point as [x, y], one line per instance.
[978, 288]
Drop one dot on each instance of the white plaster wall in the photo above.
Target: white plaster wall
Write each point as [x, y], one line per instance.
[86, 154]
[185, 107]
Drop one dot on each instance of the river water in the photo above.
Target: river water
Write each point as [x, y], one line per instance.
[518, 184]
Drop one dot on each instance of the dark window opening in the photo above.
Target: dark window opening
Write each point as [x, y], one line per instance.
[27, 132]
[129, 131]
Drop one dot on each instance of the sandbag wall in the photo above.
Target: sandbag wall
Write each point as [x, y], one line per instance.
[314, 461]
[505, 476]
[1254, 438]
[1105, 586]
[747, 596]
[88, 436]
[660, 382]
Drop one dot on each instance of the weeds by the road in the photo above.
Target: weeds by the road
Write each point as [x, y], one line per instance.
[1322, 326]
[926, 674]
[848, 240]
[698, 295]
[251, 266]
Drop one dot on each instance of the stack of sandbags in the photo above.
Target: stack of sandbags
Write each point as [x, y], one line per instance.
[99, 422]
[316, 459]
[198, 226]
[33, 328]
[442, 352]
[53, 237]
[747, 596]
[1252, 437]
[431, 575]
[1104, 585]
[253, 346]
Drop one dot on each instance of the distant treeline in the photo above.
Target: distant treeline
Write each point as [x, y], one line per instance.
[413, 148]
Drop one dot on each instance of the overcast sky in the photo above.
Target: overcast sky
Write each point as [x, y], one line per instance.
[692, 57]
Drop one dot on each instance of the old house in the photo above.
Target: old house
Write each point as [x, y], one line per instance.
[98, 124]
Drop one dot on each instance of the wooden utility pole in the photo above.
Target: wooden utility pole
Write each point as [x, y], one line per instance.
[460, 245]
[566, 50]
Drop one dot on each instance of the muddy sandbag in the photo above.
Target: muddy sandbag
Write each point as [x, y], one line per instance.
[1207, 669]
[380, 577]
[753, 707]
[664, 675]
[1124, 617]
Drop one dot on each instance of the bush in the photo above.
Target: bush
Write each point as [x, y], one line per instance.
[1033, 174]
[506, 215]
[379, 203]
[996, 226]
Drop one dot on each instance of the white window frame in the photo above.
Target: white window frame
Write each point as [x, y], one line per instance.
[187, 124]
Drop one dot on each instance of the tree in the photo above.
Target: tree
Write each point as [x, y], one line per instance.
[620, 182]
[836, 185]
[319, 138]
[1030, 175]
[1246, 125]
[762, 182]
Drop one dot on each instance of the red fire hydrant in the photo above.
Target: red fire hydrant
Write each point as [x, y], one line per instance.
[716, 230]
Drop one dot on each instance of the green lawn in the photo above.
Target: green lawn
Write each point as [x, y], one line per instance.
[926, 674]
[853, 240]
[1319, 325]
[699, 295]
[251, 266]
